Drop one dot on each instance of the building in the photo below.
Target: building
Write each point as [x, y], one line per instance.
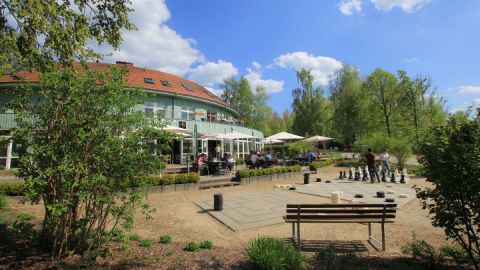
[180, 102]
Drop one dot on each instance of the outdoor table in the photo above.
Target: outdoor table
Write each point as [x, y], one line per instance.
[214, 166]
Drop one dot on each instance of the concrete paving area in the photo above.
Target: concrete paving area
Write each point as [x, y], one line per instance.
[369, 191]
[250, 211]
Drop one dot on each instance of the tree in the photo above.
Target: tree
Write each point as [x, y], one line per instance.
[38, 34]
[311, 111]
[240, 96]
[451, 159]
[350, 119]
[261, 118]
[382, 86]
[82, 147]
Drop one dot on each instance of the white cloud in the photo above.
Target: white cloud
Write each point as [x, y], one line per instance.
[155, 45]
[322, 67]
[349, 7]
[212, 73]
[405, 5]
[254, 77]
[411, 60]
[476, 102]
[215, 91]
[469, 89]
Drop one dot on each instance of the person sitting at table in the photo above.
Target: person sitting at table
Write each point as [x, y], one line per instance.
[319, 155]
[311, 155]
[254, 160]
[202, 163]
[269, 159]
[230, 162]
[261, 159]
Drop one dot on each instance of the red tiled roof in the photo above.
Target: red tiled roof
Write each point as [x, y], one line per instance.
[136, 78]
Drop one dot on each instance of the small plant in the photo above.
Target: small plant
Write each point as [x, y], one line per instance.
[268, 252]
[125, 247]
[26, 217]
[118, 236]
[135, 237]
[191, 247]
[206, 244]
[421, 251]
[170, 253]
[146, 243]
[330, 260]
[3, 202]
[456, 252]
[166, 239]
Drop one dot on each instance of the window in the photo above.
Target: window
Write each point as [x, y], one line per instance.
[209, 93]
[211, 116]
[165, 83]
[148, 80]
[182, 124]
[155, 109]
[188, 113]
[187, 87]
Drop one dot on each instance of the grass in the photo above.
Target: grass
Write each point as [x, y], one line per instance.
[165, 239]
[268, 252]
[3, 202]
[146, 243]
[206, 244]
[135, 237]
[191, 247]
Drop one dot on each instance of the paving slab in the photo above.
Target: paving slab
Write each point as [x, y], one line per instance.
[250, 211]
[350, 188]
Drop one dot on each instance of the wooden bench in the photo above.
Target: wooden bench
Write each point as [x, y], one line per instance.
[340, 213]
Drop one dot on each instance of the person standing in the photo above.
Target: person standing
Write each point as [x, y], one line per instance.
[218, 151]
[384, 157]
[371, 166]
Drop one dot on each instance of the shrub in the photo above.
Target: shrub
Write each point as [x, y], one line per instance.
[26, 217]
[239, 161]
[3, 202]
[118, 236]
[268, 252]
[456, 252]
[146, 243]
[166, 239]
[330, 260]
[206, 244]
[13, 189]
[167, 179]
[267, 171]
[135, 237]
[417, 170]
[421, 251]
[191, 247]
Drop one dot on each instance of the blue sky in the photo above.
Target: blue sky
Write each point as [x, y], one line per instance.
[267, 40]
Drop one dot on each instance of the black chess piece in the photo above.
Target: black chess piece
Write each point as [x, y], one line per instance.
[393, 178]
[402, 178]
[357, 175]
[365, 176]
[344, 174]
[350, 174]
[384, 178]
[341, 175]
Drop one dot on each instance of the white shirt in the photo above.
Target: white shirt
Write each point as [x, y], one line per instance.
[384, 156]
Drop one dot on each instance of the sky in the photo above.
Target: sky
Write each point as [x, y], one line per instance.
[268, 40]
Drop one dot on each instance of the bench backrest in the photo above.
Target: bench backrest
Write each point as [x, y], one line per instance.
[341, 212]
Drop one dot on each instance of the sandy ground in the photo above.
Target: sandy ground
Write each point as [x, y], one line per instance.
[177, 215]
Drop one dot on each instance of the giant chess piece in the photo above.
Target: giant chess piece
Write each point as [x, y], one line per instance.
[393, 178]
[365, 175]
[341, 176]
[350, 174]
[402, 178]
[357, 175]
[384, 178]
[344, 174]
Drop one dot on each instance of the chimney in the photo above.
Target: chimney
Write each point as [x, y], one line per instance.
[123, 63]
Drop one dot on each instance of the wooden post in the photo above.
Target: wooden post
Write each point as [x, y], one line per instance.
[298, 227]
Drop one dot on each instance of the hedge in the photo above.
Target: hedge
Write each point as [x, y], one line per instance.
[13, 189]
[19, 188]
[167, 179]
[320, 164]
[267, 171]
[239, 161]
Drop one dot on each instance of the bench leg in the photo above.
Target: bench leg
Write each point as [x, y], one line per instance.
[370, 236]
[298, 235]
[293, 232]
[383, 236]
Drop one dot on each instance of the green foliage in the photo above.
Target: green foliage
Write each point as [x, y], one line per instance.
[267, 252]
[42, 33]
[401, 148]
[13, 189]
[456, 252]
[330, 260]
[118, 236]
[167, 179]
[170, 253]
[192, 246]
[451, 160]
[417, 170]
[299, 147]
[267, 171]
[207, 244]
[323, 163]
[239, 95]
[239, 161]
[135, 237]
[166, 239]
[3, 202]
[146, 243]
[422, 252]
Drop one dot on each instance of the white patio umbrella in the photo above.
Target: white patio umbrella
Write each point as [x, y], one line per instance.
[234, 135]
[176, 130]
[284, 136]
[318, 138]
[272, 141]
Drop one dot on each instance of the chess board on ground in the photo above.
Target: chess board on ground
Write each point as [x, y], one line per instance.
[250, 211]
[369, 191]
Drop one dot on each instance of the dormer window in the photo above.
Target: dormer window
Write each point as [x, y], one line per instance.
[148, 80]
[165, 83]
[187, 87]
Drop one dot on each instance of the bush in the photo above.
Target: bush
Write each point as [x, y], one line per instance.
[268, 252]
[456, 253]
[135, 237]
[421, 251]
[239, 161]
[146, 243]
[13, 189]
[3, 202]
[167, 179]
[206, 244]
[166, 239]
[191, 247]
[118, 236]
[267, 171]
[417, 170]
[330, 260]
